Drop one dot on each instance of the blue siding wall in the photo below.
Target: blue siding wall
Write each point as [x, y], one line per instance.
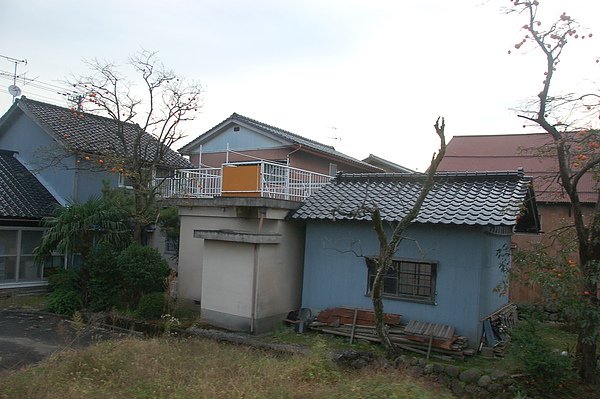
[335, 273]
[45, 157]
[244, 139]
[90, 183]
[41, 155]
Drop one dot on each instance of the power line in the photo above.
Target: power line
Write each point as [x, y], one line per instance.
[36, 83]
[37, 96]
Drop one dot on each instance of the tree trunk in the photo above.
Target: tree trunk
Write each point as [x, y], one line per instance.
[376, 292]
[585, 353]
[139, 220]
[586, 358]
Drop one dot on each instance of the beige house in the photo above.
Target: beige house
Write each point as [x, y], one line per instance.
[240, 257]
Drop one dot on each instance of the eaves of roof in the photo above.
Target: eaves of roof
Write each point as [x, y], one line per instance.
[22, 196]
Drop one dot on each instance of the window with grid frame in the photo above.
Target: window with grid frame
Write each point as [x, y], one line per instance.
[406, 279]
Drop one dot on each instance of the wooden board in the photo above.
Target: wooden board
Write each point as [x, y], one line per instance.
[440, 331]
[339, 316]
[241, 181]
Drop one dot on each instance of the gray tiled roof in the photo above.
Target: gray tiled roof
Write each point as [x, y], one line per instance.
[286, 136]
[94, 134]
[22, 196]
[476, 198]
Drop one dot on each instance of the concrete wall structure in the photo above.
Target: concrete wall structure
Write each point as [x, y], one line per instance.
[240, 261]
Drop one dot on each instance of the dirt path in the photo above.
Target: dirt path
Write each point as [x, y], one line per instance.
[29, 336]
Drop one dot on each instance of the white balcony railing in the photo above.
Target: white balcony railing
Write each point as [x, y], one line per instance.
[194, 183]
[274, 181]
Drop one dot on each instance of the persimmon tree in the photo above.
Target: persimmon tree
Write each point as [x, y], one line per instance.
[568, 119]
[146, 114]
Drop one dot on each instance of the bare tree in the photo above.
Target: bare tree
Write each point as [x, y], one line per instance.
[388, 245]
[567, 118]
[145, 119]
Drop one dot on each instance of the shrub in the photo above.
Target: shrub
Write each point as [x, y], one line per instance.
[143, 271]
[65, 279]
[64, 301]
[105, 278]
[65, 296]
[548, 371]
[152, 305]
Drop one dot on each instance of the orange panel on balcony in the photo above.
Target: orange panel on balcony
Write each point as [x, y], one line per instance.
[241, 181]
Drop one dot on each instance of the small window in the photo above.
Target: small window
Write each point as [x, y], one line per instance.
[162, 173]
[125, 181]
[171, 245]
[406, 279]
[332, 169]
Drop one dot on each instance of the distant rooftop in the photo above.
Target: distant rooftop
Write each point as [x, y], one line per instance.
[386, 165]
[512, 151]
[288, 136]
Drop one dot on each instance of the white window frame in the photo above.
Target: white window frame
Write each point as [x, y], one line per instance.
[16, 282]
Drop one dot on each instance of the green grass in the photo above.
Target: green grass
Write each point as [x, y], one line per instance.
[286, 335]
[196, 368]
[555, 334]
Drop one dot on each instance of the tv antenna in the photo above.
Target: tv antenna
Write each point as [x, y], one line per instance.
[13, 89]
[335, 137]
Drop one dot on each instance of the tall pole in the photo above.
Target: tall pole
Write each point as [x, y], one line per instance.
[16, 61]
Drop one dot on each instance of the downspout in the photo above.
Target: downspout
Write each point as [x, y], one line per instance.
[76, 180]
[200, 157]
[287, 170]
[287, 157]
[254, 308]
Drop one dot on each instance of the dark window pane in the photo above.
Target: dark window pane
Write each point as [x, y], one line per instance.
[8, 242]
[390, 286]
[30, 240]
[29, 270]
[8, 269]
[391, 272]
[405, 279]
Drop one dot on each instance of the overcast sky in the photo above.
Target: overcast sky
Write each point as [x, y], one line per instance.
[365, 76]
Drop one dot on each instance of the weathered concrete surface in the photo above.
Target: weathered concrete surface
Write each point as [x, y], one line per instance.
[28, 336]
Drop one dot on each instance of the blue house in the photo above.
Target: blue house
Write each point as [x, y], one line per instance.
[50, 156]
[69, 151]
[451, 258]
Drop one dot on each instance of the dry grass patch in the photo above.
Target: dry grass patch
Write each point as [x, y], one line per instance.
[193, 368]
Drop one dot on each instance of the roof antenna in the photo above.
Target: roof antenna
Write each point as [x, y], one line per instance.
[13, 89]
[334, 137]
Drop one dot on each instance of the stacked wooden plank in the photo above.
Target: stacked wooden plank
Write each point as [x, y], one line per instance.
[496, 326]
[429, 339]
[364, 317]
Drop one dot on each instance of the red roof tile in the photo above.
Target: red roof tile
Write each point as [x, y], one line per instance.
[512, 151]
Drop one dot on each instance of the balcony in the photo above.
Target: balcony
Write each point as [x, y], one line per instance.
[242, 179]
